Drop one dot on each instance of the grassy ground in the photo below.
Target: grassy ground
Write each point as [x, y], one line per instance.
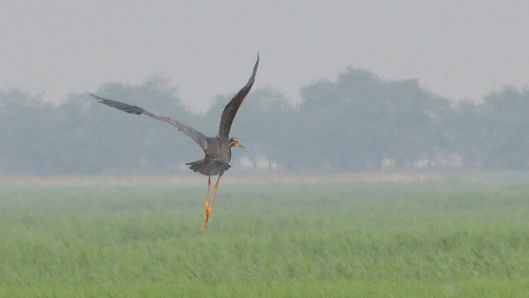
[448, 237]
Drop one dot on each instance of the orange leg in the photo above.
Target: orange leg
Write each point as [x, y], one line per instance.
[207, 205]
[209, 208]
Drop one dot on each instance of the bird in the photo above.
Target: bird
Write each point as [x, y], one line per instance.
[217, 149]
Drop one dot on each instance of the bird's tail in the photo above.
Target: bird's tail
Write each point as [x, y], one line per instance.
[209, 167]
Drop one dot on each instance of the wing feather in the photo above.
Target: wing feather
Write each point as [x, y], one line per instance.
[194, 134]
[231, 108]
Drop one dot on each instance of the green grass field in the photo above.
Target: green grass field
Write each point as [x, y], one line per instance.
[447, 237]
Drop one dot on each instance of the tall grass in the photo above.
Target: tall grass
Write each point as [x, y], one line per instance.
[448, 237]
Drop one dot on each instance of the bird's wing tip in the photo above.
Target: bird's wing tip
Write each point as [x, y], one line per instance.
[256, 63]
[97, 97]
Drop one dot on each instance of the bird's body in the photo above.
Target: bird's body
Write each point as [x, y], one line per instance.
[217, 149]
[217, 159]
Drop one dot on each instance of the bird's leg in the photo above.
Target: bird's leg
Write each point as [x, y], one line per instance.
[210, 209]
[207, 205]
[215, 190]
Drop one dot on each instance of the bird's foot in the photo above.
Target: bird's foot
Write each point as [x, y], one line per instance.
[206, 220]
[208, 208]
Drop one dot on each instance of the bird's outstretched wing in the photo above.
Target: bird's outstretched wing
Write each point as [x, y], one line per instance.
[197, 136]
[231, 108]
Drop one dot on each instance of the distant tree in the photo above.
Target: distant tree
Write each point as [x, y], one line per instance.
[361, 120]
[27, 132]
[356, 123]
[466, 132]
[506, 127]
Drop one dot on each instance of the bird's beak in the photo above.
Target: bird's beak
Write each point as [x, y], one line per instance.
[238, 145]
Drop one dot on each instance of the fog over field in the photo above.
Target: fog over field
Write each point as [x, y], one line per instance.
[342, 87]
[345, 86]
[358, 122]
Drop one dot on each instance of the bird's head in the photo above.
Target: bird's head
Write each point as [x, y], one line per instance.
[234, 142]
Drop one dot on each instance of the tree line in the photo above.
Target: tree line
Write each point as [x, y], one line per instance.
[359, 122]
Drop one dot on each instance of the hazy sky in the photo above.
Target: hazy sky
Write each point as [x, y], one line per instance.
[459, 49]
